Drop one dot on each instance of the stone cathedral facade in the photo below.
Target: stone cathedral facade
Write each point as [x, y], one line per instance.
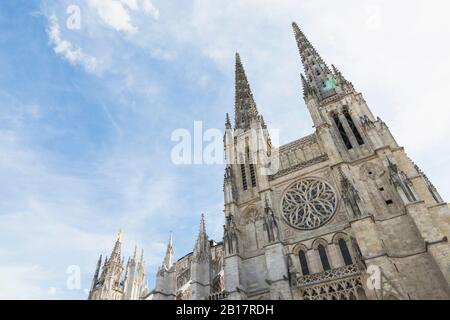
[346, 215]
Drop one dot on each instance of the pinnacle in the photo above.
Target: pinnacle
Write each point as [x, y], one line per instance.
[202, 224]
[227, 121]
[245, 106]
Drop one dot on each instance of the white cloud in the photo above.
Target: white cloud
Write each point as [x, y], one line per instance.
[66, 49]
[149, 9]
[97, 17]
[114, 13]
[24, 282]
[117, 13]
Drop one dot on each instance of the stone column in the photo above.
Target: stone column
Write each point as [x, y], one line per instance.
[277, 272]
[335, 256]
[232, 267]
[314, 261]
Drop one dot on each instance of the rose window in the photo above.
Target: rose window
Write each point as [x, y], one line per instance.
[308, 204]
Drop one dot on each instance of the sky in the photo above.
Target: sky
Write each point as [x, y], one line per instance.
[88, 107]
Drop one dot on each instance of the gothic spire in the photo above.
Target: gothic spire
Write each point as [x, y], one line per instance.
[201, 249]
[97, 270]
[245, 106]
[227, 122]
[318, 74]
[307, 90]
[96, 275]
[135, 253]
[202, 224]
[115, 254]
[168, 259]
[99, 262]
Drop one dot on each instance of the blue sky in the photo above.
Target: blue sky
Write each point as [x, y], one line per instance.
[86, 115]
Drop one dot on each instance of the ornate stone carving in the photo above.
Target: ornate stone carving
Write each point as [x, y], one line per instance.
[271, 224]
[218, 296]
[183, 295]
[401, 182]
[309, 204]
[230, 238]
[350, 194]
[183, 277]
[345, 289]
[250, 216]
[366, 122]
[331, 275]
[218, 283]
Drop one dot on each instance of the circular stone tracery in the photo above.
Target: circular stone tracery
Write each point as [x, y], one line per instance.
[308, 204]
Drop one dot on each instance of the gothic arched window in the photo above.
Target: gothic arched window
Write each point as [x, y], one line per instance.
[252, 174]
[342, 132]
[244, 177]
[323, 257]
[303, 262]
[353, 127]
[345, 253]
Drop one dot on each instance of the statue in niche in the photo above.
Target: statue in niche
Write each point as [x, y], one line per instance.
[401, 182]
[230, 235]
[270, 223]
[350, 194]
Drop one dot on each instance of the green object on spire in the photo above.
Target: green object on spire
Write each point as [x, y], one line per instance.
[330, 84]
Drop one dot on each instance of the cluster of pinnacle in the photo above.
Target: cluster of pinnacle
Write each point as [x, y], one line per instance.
[202, 244]
[315, 69]
[115, 257]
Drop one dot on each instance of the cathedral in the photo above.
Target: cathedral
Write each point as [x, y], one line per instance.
[341, 214]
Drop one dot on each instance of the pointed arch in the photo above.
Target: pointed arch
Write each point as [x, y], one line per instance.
[303, 262]
[345, 252]
[323, 257]
[342, 241]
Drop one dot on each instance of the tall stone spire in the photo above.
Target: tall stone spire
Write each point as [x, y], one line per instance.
[115, 254]
[96, 274]
[201, 265]
[99, 265]
[319, 77]
[201, 249]
[202, 224]
[168, 259]
[245, 106]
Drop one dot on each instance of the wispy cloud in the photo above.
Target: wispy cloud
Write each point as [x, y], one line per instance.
[117, 13]
[24, 282]
[66, 49]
